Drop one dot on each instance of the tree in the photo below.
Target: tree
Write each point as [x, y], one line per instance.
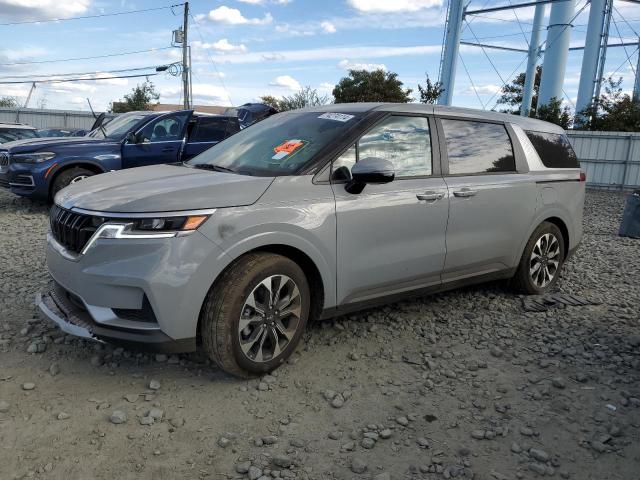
[142, 97]
[554, 112]
[512, 93]
[305, 97]
[9, 102]
[431, 92]
[613, 111]
[375, 86]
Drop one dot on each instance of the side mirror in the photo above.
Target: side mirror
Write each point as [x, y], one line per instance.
[370, 170]
[132, 138]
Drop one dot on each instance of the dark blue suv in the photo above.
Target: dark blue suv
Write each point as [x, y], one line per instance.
[39, 168]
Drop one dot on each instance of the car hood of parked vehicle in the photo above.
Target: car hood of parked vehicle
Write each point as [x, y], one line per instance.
[41, 144]
[162, 188]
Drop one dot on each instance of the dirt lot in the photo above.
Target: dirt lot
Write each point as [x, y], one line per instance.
[465, 384]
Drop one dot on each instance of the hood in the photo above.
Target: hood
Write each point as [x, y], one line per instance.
[162, 188]
[37, 144]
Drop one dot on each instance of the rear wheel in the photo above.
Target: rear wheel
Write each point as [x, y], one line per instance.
[68, 177]
[541, 261]
[255, 314]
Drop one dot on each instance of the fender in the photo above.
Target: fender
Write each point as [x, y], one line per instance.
[548, 212]
[285, 235]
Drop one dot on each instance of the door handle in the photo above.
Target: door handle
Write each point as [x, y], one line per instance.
[430, 196]
[169, 149]
[465, 192]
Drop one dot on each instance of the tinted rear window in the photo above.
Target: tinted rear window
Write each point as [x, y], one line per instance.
[477, 147]
[211, 130]
[554, 150]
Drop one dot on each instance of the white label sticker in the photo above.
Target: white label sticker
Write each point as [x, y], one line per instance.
[338, 117]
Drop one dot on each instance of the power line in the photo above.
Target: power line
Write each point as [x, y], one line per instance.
[65, 80]
[86, 58]
[79, 73]
[48, 20]
[475, 90]
[486, 54]
[195, 23]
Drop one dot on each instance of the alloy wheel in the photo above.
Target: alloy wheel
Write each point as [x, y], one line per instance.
[78, 178]
[545, 260]
[269, 319]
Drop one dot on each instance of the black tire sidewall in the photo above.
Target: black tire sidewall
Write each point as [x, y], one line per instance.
[544, 228]
[281, 266]
[64, 178]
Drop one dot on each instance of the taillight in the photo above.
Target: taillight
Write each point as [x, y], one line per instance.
[583, 177]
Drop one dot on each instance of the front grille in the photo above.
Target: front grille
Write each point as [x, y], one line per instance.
[72, 230]
[4, 159]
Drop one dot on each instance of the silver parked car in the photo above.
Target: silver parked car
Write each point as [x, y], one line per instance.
[307, 215]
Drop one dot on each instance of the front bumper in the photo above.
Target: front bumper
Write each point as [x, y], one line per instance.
[57, 305]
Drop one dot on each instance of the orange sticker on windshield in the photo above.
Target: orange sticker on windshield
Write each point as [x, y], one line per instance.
[286, 148]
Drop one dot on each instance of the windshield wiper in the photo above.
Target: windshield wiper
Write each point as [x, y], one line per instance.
[215, 168]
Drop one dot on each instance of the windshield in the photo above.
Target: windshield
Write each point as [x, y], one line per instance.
[118, 127]
[11, 134]
[280, 145]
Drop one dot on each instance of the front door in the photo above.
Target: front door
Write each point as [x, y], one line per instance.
[160, 141]
[391, 237]
[491, 205]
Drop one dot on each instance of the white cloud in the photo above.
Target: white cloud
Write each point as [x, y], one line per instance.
[262, 2]
[332, 53]
[328, 27]
[222, 45]
[30, 10]
[203, 94]
[233, 16]
[488, 89]
[286, 81]
[349, 65]
[370, 6]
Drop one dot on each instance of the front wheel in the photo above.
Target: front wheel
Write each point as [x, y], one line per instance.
[255, 314]
[541, 261]
[68, 177]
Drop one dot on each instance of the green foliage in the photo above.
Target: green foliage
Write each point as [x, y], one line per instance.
[375, 86]
[554, 112]
[431, 91]
[305, 97]
[142, 97]
[512, 93]
[9, 102]
[614, 111]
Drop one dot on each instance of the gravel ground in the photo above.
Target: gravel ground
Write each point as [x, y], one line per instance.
[464, 384]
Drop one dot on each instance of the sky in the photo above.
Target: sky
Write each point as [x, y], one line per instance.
[242, 49]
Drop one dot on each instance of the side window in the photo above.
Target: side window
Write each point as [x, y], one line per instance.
[164, 129]
[210, 130]
[554, 150]
[404, 141]
[477, 147]
[341, 168]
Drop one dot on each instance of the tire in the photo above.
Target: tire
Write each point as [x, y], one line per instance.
[547, 245]
[67, 177]
[240, 351]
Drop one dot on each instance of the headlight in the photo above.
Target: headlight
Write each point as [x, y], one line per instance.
[169, 223]
[32, 157]
[161, 227]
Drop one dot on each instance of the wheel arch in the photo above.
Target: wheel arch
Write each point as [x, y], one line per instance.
[56, 171]
[558, 222]
[319, 286]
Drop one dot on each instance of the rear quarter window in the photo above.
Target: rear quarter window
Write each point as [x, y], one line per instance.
[554, 149]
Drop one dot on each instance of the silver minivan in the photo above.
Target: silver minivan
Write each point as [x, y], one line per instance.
[308, 215]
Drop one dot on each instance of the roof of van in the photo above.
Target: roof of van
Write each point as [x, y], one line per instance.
[463, 113]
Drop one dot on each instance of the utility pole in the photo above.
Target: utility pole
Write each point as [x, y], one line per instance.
[450, 58]
[186, 66]
[534, 53]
